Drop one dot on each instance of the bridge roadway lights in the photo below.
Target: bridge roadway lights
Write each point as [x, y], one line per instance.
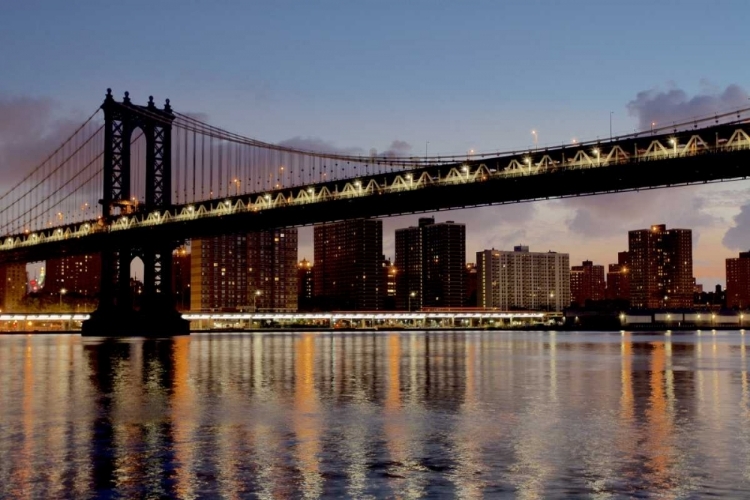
[124, 322]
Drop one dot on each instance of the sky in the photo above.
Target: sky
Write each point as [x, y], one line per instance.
[446, 76]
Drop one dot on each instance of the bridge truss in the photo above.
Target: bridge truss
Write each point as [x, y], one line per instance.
[290, 187]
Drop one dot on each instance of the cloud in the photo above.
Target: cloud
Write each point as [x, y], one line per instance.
[396, 149]
[674, 105]
[737, 237]
[29, 131]
[605, 216]
[612, 214]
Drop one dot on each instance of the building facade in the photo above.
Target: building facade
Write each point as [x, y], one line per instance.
[218, 273]
[661, 268]
[12, 286]
[348, 261]
[586, 283]
[305, 285]
[390, 275]
[409, 261]
[471, 285]
[272, 270]
[738, 281]
[181, 278]
[618, 278]
[78, 275]
[523, 280]
[431, 260]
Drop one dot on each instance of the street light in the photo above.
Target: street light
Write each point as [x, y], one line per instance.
[62, 292]
[411, 296]
[536, 139]
[255, 298]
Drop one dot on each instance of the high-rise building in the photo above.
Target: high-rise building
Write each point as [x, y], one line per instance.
[444, 268]
[348, 264]
[586, 283]
[181, 278]
[218, 273]
[305, 285]
[738, 281]
[471, 285]
[12, 286]
[409, 262]
[431, 260]
[618, 278]
[272, 270]
[661, 268]
[390, 274]
[76, 274]
[523, 280]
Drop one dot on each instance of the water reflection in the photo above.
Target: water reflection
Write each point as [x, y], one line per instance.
[407, 415]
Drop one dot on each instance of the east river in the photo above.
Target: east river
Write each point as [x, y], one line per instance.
[377, 414]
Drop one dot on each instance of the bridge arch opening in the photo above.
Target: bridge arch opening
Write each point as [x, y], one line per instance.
[136, 281]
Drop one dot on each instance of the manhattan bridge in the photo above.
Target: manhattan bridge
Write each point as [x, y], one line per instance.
[138, 180]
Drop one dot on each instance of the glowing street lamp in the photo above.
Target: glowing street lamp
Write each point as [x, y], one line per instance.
[255, 299]
[411, 296]
[536, 139]
[62, 292]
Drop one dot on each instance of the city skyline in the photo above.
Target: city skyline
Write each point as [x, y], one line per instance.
[263, 84]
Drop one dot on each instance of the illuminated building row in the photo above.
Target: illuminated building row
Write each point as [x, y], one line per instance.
[523, 280]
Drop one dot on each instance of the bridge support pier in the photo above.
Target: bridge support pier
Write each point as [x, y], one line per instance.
[124, 322]
[116, 316]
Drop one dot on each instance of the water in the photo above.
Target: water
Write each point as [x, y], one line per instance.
[409, 415]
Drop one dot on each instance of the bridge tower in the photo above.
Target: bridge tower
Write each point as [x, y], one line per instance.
[115, 315]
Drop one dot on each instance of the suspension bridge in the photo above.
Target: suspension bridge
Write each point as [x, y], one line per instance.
[141, 179]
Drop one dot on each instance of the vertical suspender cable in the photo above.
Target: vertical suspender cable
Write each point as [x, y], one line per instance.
[185, 161]
[176, 167]
[203, 163]
[211, 167]
[221, 167]
[195, 142]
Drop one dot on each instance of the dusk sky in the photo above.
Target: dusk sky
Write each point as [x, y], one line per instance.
[459, 75]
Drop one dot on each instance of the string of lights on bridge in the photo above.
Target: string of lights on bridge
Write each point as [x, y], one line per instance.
[214, 170]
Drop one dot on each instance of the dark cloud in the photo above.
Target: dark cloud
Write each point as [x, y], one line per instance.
[674, 105]
[397, 148]
[30, 129]
[21, 117]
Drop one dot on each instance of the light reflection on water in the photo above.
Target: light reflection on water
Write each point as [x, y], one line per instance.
[408, 415]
